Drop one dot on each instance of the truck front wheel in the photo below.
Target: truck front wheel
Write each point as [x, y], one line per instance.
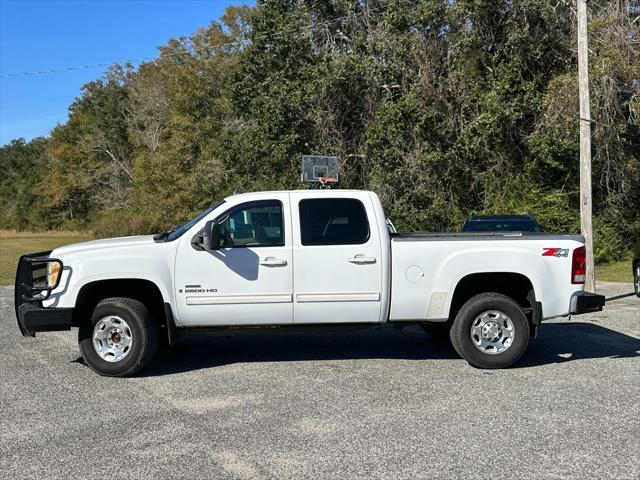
[490, 331]
[120, 339]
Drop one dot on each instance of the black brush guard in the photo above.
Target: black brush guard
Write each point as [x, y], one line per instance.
[31, 288]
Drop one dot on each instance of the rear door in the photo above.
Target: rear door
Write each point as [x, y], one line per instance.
[336, 257]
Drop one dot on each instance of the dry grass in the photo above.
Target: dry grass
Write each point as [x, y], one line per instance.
[13, 244]
[9, 234]
[619, 271]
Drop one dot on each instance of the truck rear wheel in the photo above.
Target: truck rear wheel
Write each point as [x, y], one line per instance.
[490, 331]
[120, 339]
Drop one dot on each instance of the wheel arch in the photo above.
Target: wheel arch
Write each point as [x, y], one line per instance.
[515, 285]
[144, 290]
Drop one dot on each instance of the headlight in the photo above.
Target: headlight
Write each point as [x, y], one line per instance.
[53, 273]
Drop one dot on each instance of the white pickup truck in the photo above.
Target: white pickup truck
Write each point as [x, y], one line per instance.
[301, 259]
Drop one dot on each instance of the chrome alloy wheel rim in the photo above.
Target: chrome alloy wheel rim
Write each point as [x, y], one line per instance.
[492, 332]
[112, 338]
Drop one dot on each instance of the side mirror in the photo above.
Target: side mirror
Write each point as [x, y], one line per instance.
[211, 235]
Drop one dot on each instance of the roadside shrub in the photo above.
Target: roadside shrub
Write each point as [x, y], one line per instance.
[607, 244]
[554, 210]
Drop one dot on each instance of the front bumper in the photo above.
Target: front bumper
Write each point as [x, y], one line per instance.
[586, 302]
[35, 318]
[30, 291]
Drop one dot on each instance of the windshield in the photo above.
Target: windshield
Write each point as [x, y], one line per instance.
[179, 231]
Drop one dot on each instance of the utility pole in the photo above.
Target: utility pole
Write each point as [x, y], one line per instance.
[585, 143]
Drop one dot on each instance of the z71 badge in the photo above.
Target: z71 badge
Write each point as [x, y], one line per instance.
[555, 252]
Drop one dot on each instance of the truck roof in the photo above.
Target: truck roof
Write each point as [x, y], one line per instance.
[306, 190]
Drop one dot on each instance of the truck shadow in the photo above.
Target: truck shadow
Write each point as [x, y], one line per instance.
[556, 343]
[565, 342]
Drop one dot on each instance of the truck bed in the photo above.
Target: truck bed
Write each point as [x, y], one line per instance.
[427, 267]
[444, 236]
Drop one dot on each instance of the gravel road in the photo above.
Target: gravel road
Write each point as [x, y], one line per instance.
[371, 404]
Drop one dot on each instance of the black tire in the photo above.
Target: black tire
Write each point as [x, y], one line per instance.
[439, 331]
[636, 278]
[144, 334]
[461, 331]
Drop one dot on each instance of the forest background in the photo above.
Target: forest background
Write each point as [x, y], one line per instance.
[443, 108]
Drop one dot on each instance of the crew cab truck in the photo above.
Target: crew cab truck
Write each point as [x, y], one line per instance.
[314, 259]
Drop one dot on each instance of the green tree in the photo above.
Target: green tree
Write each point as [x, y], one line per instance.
[444, 108]
[22, 169]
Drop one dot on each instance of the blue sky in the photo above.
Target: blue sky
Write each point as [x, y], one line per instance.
[43, 35]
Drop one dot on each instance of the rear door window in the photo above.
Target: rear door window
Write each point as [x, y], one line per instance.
[333, 221]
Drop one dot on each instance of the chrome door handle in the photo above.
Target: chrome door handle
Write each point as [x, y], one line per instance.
[362, 260]
[273, 262]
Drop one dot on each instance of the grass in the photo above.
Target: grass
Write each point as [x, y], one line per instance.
[14, 244]
[619, 271]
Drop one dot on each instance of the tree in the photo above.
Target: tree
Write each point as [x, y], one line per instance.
[444, 108]
[22, 168]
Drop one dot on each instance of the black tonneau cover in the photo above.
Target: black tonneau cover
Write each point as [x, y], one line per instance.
[445, 236]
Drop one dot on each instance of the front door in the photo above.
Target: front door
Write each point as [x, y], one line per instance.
[249, 280]
[337, 259]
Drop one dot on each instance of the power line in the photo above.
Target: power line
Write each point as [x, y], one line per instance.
[68, 69]
[134, 60]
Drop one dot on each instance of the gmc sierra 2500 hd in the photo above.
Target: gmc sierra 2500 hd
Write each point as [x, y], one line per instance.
[295, 259]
